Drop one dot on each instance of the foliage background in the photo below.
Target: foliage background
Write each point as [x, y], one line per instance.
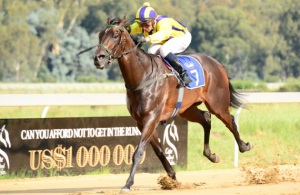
[256, 40]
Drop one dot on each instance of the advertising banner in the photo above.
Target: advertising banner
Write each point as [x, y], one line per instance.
[78, 145]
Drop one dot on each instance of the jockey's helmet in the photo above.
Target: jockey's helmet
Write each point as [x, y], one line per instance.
[145, 13]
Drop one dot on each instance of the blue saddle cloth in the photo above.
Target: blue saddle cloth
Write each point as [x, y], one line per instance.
[194, 70]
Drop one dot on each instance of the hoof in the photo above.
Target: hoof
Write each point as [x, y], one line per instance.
[249, 145]
[216, 158]
[125, 191]
[246, 147]
[172, 176]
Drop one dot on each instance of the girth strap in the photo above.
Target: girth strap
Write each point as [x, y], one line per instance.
[179, 100]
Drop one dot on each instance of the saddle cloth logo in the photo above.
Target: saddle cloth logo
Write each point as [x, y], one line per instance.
[170, 137]
[194, 70]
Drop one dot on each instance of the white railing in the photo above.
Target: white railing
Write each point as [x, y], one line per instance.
[62, 99]
[120, 99]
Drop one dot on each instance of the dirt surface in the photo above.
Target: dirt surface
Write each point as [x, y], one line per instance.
[283, 181]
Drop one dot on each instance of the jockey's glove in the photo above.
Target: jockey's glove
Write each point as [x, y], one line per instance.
[139, 38]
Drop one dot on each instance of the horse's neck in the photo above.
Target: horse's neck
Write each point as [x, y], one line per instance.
[135, 67]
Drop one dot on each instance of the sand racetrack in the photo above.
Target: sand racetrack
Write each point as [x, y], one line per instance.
[198, 182]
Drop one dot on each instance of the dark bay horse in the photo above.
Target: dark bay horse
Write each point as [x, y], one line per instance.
[152, 96]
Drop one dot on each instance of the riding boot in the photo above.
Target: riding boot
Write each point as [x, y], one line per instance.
[174, 62]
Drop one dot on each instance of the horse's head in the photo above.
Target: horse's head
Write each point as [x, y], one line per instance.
[111, 42]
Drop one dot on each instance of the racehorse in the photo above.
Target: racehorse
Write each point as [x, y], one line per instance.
[152, 93]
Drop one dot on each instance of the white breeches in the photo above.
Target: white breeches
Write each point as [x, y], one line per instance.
[174, 45]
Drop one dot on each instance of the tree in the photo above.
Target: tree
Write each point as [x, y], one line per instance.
[289, 29]
[254, 39]
[224, 34]
[19, 47]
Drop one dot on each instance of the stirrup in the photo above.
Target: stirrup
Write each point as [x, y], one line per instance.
[181, 82]
[185, 78]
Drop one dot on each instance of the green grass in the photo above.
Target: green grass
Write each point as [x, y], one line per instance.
[25, 173]
[272, 128]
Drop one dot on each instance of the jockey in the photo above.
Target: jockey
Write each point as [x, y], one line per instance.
[168, 36]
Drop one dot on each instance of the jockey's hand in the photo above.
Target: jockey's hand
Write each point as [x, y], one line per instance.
[139, 38]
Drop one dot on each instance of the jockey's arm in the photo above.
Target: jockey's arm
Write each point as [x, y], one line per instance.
[163, 33]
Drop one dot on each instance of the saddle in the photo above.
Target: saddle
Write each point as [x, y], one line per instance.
[194, 70]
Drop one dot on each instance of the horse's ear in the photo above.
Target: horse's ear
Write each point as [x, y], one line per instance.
[108, 20]
[123, 21]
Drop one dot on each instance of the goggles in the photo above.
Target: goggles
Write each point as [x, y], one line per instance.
[144, 24]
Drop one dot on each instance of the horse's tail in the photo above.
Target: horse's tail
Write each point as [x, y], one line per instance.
[235, 97]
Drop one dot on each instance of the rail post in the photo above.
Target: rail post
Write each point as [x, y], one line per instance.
[236, 148]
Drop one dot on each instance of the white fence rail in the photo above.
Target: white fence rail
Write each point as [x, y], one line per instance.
[62, 99]
[120, 99]
[273, 97]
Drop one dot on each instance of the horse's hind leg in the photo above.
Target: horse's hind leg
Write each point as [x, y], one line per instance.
[243, 147]
[157, 147]
[194, 114]
[222, 112]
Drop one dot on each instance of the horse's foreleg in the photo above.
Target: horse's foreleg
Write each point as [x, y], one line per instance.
[157, 147]
[138, 154]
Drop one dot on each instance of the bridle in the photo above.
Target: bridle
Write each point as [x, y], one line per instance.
[111, 54]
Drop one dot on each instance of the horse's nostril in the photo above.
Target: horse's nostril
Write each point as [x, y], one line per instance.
[100, 57]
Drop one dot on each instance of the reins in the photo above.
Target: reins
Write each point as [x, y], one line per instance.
[88, 49]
